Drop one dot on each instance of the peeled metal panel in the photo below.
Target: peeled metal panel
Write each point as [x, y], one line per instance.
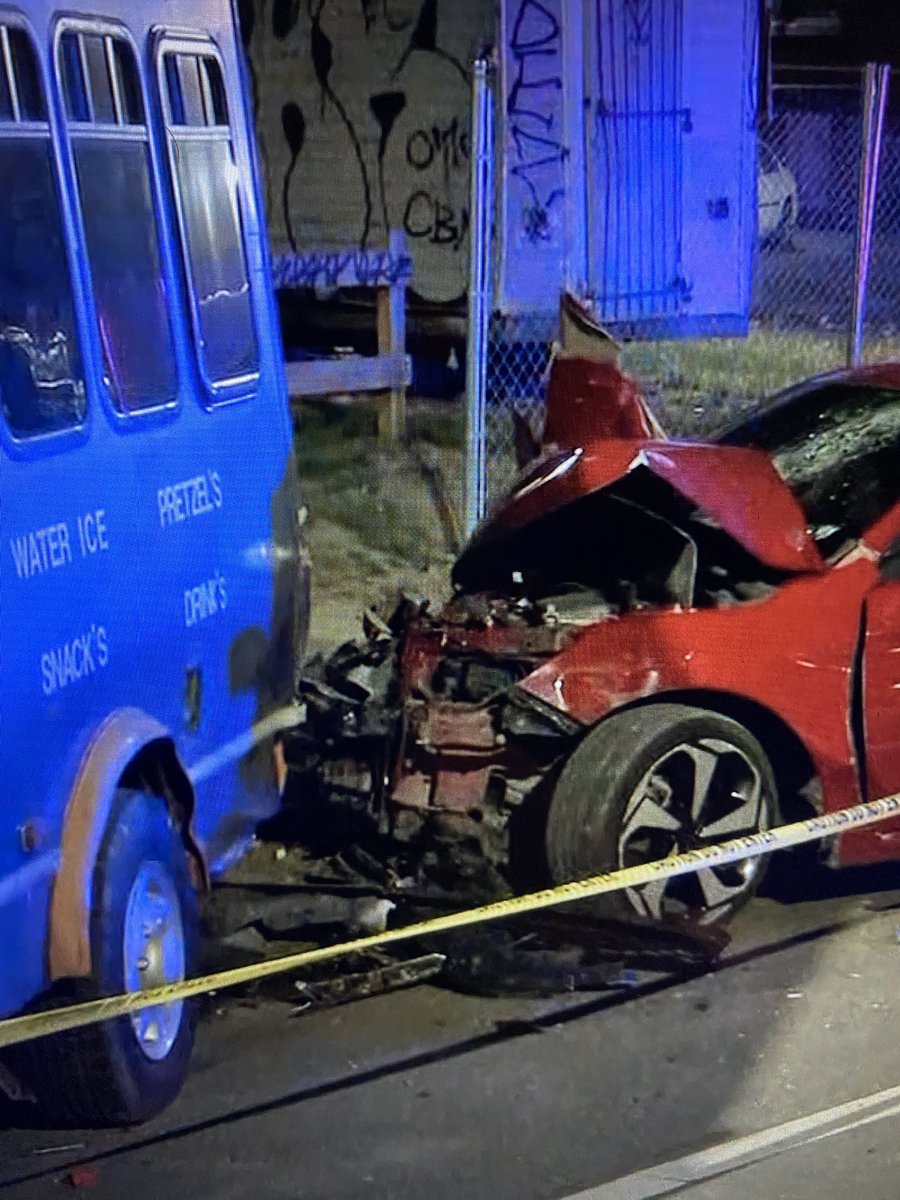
[640, 123]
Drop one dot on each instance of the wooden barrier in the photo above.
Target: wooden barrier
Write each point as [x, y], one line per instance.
[387, 373]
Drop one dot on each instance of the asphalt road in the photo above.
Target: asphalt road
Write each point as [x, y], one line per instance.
[774, 1076]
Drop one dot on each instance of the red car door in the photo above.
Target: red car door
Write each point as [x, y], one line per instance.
[881, 698]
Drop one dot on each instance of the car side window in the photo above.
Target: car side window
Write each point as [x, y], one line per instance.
[208, 201]
[41, 379]
[110, 146]
[837, 446]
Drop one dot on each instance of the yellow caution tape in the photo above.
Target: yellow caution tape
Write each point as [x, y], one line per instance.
[41, 1024]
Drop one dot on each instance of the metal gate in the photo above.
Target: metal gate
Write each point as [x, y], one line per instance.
[634, 242]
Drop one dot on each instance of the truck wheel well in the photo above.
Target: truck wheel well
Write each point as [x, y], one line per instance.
[156, 770]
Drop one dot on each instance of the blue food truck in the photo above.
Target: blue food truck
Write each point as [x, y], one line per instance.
[154, 579]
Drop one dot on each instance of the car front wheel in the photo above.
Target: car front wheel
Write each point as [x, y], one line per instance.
[655, 781]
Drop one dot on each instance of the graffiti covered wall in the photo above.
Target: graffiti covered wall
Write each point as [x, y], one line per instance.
[362, 116]
[535, 149]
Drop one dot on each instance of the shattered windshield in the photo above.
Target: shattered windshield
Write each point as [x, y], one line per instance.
[838, 448]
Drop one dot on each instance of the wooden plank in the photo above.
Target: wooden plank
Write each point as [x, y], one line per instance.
[390, 317]
[327, 376]
[389, 372]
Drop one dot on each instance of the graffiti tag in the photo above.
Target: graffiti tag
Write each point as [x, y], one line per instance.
[533, 106]
[341, 268]
[448, 146]
[428, 217]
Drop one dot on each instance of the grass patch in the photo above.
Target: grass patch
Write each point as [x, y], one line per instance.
[330, 443]
[377, 511]
[443, 427]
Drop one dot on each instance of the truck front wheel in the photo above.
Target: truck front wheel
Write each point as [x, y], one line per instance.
[144, 933]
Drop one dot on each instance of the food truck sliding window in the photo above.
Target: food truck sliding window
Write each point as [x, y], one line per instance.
[41, 379]
[208, 201]
[110, 146]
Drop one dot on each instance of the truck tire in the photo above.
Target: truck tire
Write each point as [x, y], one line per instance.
[657, 780]
[144, 932]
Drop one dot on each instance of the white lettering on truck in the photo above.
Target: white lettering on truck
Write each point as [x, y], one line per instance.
[82, 656]
[41, 550]
[209, 598]
[178, 502]
[47, 549]
[93, 535]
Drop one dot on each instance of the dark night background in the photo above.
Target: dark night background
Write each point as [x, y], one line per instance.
[840, 33]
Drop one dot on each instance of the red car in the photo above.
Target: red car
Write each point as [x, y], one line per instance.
[653, 645]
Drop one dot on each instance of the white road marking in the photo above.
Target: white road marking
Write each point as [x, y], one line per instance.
[681, 1173]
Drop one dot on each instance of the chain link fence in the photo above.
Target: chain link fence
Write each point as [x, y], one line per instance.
[808, 199]
[518, 365]
[883, 313]
[807, 204]
[802, 287]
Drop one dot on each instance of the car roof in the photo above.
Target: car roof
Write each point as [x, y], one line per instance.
[882, 376]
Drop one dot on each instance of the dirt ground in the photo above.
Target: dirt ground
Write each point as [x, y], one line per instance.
[381, 518]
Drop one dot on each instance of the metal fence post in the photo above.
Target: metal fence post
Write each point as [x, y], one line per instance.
[481, 209]
[875, 93]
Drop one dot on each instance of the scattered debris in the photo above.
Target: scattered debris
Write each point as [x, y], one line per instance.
[41, 1151]
[326, 993]
[84, 1176]
[544, 954]
[501, 962]
[305, 907]
[308, 913]
[884, 902]
[247, 945]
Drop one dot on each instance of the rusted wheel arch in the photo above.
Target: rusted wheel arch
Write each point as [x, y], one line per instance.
[130, 748]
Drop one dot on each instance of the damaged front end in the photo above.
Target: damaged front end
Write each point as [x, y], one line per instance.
[420, 734]
[431, 730]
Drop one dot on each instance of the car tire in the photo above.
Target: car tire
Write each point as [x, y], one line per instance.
[144, 931]
[656, 780]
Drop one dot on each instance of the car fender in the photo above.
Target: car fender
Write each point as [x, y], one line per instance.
[792, 654]
[117, 741]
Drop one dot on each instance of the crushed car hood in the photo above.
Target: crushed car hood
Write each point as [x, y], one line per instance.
[733, 488]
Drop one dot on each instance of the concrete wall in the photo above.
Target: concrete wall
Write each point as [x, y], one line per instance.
[362, 113]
